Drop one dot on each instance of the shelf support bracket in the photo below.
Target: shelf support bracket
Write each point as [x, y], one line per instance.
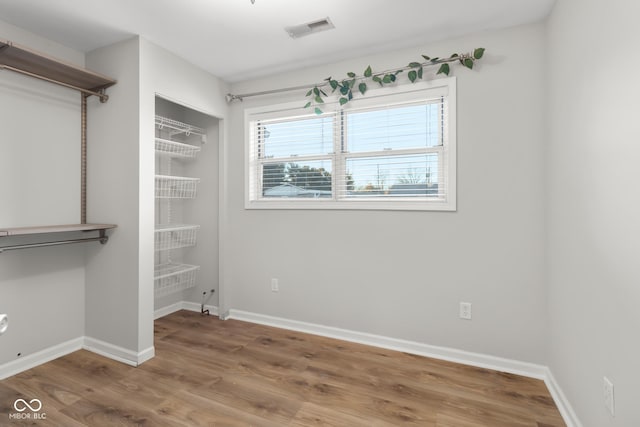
[83, 158]
[102, 94]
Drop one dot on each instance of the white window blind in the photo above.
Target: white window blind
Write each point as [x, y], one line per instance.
[394, 151]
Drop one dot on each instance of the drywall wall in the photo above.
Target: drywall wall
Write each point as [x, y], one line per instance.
[402, 274]
[114, 188]
[42, 290]
[120, 278]
[170, 77]
[594, 206]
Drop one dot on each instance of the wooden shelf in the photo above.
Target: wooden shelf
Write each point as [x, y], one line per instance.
[22, 60]
[16, 57]
[24, 231]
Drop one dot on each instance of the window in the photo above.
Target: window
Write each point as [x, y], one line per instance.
[392, 149]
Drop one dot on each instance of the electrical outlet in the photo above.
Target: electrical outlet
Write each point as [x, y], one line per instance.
[608, 395]
[465, 310]
[274, 285]
[4, 323]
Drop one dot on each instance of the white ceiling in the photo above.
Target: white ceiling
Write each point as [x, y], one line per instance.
[236, 40]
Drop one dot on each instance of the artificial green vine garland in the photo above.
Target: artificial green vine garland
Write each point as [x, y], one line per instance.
[415, 72]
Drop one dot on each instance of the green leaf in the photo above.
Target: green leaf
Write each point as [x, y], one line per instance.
[350, 95]
[420, 73]
[397, 72]
[319, 100]
[478, 53]
[413, 75]
[444, 69]
[377, 79]
[318, 111]
[350, 74]
[352, 83]
[333, 84]
[386, 78]
[328, 79]
[309, 93]
[307, 105]
[426, 57]
[436, 59]
[455, 55]
[415, 65]
[344, 89]
[468, 63]
[316, 91]
[362, 87]
[343, 101]
[367, 72]
[393, 77]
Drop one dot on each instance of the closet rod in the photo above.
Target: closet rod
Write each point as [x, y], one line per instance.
[102, 239]
[103, 96]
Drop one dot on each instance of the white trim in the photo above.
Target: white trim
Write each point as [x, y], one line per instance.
[118, 353]
[193, 306]
[145, 355]
[444, 353]
[183, 305]
[165, 311]
[511, 366]
[437, 204]
[391, 95]
[43, 356]
[566, 410]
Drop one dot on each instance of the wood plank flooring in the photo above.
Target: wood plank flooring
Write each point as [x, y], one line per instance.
[213, 373]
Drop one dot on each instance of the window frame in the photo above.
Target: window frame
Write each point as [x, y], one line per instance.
[374, 98]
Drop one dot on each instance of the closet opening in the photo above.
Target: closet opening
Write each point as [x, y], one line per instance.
[186, 208]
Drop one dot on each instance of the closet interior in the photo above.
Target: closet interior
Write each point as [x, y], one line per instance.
[186, 207]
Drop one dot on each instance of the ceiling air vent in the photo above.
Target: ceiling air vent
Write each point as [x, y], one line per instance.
[301, 30]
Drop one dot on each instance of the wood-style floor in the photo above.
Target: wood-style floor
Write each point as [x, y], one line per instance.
[213, 373]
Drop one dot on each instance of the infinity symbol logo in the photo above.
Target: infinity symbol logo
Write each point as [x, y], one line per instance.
[21, 405]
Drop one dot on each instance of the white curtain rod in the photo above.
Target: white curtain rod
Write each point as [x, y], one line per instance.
[230, 97]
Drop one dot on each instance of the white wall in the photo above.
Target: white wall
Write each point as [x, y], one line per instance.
[594, 206]
[171, 77]
[402, 274]
[114, 189]
[42, 290]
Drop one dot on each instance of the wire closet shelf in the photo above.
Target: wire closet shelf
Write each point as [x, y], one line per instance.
[178, 127]
[177, 236]
[165, 147]
[171, 278]
[176, 187]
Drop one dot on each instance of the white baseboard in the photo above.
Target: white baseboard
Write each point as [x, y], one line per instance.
[565, 408]
[444, 353]
[43, 356]
[96, 346]
[183, 305]
[526, 369]
[115, 352]
[165, 311]
[192, 306]
[145, 355]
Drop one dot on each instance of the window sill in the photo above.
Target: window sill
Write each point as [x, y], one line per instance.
[363, 204]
